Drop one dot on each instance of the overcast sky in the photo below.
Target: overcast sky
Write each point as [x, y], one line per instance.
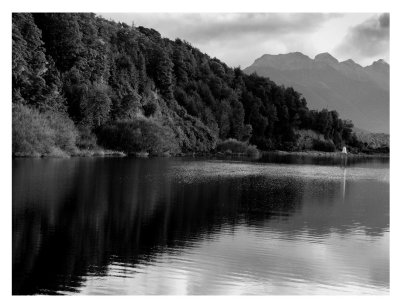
[238, 39]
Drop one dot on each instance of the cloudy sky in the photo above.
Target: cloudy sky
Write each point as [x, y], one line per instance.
[240, 38]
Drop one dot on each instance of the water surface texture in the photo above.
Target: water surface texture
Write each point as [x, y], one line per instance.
[186, 226]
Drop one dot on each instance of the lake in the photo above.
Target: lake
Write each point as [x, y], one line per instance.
[278, 226]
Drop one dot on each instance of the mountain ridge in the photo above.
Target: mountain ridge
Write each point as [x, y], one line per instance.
[356, 92]
[320, 57]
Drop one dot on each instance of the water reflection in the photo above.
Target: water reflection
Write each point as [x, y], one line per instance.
[163, 226]
[376, 162]
[344, 182]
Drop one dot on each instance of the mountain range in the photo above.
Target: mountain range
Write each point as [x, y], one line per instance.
[358, 93]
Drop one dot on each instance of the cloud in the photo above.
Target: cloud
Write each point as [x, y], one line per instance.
[369, 39]
[209, 27]
[236, 38]
[384, 20]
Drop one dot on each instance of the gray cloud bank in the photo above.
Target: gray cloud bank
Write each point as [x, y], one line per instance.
[206, 27]
[368, 39]
[202, 27]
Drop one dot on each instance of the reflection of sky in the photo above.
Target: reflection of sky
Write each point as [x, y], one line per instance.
[250, 261]
[306, 254]
[199, 227]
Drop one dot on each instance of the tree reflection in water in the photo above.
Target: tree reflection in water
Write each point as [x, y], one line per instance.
[71, 218]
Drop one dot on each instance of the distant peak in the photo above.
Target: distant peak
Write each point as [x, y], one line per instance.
[296, 54]
[351, 63]
[326, 57]
[290, 61]
[380, 62]
[379, 66]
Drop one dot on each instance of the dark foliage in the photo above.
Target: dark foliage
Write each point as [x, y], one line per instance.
[234, 146]
[136, 136]
[107, 75]
[325, 146]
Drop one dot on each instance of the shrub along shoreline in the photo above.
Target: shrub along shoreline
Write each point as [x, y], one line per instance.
[249, 152]
[53, 134]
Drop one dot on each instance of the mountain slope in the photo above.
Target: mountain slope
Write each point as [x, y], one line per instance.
[357, 93]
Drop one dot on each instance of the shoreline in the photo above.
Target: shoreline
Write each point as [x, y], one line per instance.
[111, 153]
[326, 154]
[80, 153]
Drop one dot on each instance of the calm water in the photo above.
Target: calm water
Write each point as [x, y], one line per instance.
[185, 226]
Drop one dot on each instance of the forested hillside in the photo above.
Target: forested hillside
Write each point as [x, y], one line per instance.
[81, 82]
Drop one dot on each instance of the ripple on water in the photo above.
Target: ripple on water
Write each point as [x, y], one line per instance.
[250, 262]
[197, 171]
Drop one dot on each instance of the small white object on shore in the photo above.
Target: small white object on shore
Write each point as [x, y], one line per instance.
[344, 151]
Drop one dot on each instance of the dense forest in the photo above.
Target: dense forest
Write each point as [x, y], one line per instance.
[81, 82]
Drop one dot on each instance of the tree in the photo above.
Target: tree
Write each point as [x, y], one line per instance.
[161, 68]
[35, 79]
[96, 105]
[347, 130]
[179, 66]
[62, 37]
[237, 119]
[223, 117]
